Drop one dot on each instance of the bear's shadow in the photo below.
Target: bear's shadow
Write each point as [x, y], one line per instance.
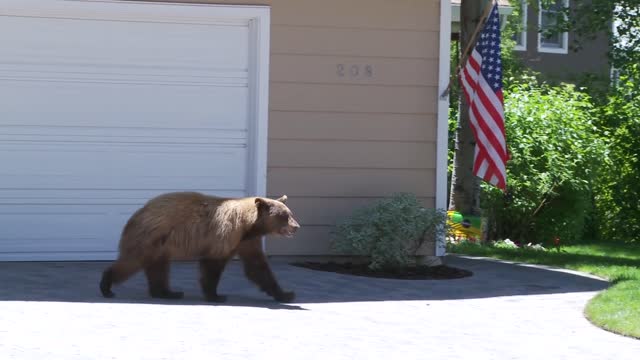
[78, 282]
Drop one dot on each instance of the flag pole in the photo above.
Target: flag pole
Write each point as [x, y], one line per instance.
[470, 44]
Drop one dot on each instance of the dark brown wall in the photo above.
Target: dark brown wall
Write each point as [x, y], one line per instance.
[592, 58]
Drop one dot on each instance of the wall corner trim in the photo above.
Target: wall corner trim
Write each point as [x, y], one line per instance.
[443, 115]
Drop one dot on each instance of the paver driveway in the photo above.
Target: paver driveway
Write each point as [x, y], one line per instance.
[54, 311]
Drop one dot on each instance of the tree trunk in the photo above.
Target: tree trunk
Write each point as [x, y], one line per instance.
[465, 187]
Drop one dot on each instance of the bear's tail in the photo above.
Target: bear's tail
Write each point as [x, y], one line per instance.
[106, 282]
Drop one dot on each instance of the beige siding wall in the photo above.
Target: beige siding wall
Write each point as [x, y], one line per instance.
[339, 142]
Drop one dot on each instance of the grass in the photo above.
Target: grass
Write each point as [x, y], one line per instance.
[617, 309]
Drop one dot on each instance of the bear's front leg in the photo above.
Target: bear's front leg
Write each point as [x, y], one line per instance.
[210, 273]
[257, 269]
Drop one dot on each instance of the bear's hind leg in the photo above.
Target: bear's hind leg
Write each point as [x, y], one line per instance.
[157, 272]
[210, 273]
[120, 271]
[257, 269]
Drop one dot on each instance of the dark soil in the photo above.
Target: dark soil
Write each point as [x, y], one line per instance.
[440, 272]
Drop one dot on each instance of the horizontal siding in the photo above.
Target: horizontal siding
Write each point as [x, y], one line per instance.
[327, 211]
[354, 70]
[325, 41]
[349, 154]
[309, 240]
[313, 241]
[352, 126]
[353, 98]
[404, 14]
[324, 182]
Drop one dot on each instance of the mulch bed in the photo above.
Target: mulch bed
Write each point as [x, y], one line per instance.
[440, 272]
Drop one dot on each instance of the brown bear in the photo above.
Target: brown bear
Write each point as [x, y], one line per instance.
[210, 229]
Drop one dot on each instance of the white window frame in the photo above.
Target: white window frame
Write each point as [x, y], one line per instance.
[565, 35]
[524, 13]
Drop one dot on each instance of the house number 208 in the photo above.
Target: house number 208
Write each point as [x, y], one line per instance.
[354, 71]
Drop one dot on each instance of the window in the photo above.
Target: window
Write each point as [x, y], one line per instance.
[520, 37]
[551, 41]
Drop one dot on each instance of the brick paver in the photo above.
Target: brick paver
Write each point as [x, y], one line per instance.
[54, 311]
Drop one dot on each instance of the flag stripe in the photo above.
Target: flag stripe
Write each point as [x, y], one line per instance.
[470, 75]
[485, 146]
[494, 105]
[489, 126]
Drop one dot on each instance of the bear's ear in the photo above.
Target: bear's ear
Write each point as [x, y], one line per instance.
[260, 202]
[283, 199]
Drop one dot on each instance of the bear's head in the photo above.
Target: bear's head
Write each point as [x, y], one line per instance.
[274, 217]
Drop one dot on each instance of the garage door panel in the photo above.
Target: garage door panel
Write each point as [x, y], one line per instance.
[109, 42]
[159, 183]
[98, 170]
[42, 136]
[80, 229]
[48, 244]
[187, 74]
[73, 104]
[25, 201]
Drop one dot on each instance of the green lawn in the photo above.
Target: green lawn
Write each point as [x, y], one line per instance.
[616, 309]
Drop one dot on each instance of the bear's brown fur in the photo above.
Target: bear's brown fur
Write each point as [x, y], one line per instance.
[190, 226]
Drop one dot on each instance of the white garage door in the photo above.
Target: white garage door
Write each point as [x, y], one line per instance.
[105, 104]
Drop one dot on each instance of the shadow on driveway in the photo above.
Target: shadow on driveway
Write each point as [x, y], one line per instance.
[78, 282]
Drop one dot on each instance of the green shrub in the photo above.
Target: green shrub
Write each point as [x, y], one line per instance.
[617, 194]
[389, 231]
[555, 151]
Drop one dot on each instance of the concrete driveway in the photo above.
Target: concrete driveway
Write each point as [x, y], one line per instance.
[54, 311]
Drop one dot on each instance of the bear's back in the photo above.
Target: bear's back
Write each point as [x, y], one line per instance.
[190, 222]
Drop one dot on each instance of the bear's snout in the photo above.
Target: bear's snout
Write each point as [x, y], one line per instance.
[291, 228]
[293, 224]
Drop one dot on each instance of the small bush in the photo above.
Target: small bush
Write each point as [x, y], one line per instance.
[390, 231]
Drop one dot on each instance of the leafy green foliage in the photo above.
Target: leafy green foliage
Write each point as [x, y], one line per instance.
[618, 188]
[389, 231]
[555, 152]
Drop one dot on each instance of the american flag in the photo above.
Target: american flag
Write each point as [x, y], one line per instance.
[481, 81]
